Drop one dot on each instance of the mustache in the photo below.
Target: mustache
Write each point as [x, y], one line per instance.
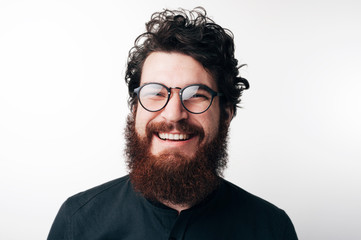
[182, 126]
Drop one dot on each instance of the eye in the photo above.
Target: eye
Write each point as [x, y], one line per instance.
[158, 94]
[199, 96]
[196, 93]
[154, 92]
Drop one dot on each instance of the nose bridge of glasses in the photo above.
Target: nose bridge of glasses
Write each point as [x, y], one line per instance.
[170, 88]
[170, 91]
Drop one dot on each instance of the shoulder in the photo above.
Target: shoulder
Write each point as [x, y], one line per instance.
[251, 211]
[90, 206]
[104, 192]
[241, 196]
[245, 203]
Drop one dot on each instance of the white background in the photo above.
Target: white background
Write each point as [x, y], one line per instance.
[63, 104]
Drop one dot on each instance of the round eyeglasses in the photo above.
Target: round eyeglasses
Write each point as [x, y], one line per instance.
[195, 98]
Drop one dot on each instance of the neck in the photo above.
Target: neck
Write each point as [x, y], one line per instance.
[177, 207]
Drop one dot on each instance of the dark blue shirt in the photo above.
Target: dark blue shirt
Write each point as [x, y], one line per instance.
[115, 211]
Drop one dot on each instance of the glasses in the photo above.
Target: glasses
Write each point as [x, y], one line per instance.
[195, 98]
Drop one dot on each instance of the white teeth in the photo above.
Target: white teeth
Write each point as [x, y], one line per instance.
[171, 136]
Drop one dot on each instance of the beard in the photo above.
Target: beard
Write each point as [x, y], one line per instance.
[172, 177]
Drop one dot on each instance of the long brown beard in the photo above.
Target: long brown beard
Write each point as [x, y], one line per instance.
[173, 177]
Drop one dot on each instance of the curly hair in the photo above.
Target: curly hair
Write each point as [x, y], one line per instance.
[194, 34]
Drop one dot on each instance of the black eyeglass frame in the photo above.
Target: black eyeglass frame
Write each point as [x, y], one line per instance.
[211, 91]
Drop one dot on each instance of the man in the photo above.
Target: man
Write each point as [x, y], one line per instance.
[184, 90]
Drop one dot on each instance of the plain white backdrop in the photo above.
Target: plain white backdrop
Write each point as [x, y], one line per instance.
[63, 104]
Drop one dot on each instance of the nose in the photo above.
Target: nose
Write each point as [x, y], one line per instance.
[174, 111]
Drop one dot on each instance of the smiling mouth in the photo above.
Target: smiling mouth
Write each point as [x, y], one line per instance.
[174, 136]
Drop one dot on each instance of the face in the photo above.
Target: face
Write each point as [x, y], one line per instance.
[173, 155]
[177, 70]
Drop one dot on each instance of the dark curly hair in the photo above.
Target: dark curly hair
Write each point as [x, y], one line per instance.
[196, 35]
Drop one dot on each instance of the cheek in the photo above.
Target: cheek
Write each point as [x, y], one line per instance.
[142, 118]
[139, 128]
[210, 126]
[140, 123]
[216, 117]
[213, 130]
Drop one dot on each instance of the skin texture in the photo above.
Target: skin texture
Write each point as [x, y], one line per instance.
[177, 70]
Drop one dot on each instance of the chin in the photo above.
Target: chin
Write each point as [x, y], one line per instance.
[172, 155]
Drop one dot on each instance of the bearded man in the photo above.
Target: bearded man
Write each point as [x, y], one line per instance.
[184, 89]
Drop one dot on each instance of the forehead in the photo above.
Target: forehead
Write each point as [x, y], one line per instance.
[175, 70]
